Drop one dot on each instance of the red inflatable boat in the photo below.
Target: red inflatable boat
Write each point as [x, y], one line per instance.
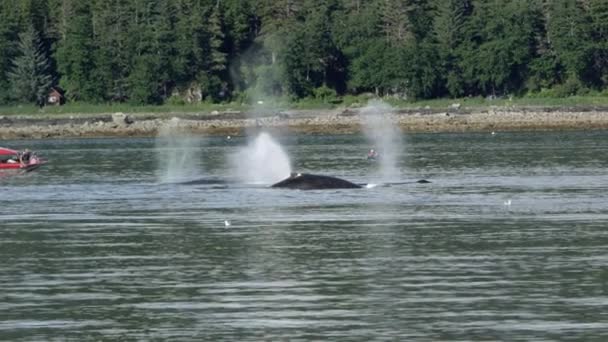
[19, 160]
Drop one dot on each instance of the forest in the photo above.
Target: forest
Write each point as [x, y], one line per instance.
[180, 51]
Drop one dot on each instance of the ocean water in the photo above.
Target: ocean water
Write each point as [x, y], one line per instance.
[508, 242]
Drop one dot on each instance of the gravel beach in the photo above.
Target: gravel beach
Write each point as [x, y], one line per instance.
[339, 121]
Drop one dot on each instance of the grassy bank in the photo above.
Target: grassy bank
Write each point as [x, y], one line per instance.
[478, 102]
[92, 109]
[311, 104]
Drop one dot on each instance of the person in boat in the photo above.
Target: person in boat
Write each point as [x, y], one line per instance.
[25, 156]
[372, 154]
[8, 159]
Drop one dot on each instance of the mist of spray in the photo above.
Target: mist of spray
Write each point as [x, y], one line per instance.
[385, 136]
[262, 161]
[178, 155]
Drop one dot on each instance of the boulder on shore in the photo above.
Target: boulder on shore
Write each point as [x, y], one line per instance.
[122, 119]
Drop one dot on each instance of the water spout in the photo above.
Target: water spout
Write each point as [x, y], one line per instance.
[178, 155]
[385, 136]
[262, 161]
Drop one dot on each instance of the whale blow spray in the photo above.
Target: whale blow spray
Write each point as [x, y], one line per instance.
[384, 134]
[262, 161]
[178, 155]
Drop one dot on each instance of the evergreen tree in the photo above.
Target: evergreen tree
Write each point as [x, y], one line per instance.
[33, 12]
[213, 84]
[544, 67]
[570, 34]
[152, 42]
[297, 63]
[143, 86]
[367, 70]
[449, 31]
[276, 34]
[9, 39]
[201, 54]
[421, 16]
[190, 35]
[241, 27]
[499, 46]
[30, 79]
[112, 60]
[146, 50]
[396, 23]
[312, 58]
[76, 50]
[598, 10]
[358, 35]
[424, 73]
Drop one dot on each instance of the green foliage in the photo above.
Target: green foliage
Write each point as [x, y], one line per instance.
[175, 101]
[325, 94]
[569, 31]
[112, 59]
[75, 52]
[143, 81]
[572, 86]
[311, 57]
[9, 40]
[299, 64]
[30, 78]
[448, 33]
[500, 46]
[268, 81]
[598, 11]
[85, 109]
[142, 51]
[367, 69]
[423, 71]
[151, 62]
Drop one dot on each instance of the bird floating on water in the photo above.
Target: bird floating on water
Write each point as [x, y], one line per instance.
[226, 223]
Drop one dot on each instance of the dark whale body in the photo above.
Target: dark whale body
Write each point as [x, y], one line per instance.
[304, 181]
[204, 181]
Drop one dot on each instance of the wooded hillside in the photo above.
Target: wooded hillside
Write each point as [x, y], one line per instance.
[157, 51]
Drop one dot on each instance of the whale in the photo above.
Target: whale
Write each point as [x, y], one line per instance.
[306, 181]
[300, 181]
[204, 181]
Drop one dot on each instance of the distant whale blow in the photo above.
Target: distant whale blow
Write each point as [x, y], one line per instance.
[304, 181]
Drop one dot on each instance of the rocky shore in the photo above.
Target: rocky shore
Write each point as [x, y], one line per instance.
[341, 121]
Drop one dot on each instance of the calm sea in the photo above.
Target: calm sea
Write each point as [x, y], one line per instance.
[509, 242]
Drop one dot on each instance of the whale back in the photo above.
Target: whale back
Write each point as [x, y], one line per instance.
[304, 181]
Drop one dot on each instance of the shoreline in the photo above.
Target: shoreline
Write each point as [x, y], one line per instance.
[337, 121]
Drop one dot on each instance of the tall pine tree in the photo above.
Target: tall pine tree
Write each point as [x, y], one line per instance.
[30, 78]
[500, 43]
[76, 51]
[311, 57]
[9, 40]
[152, 41]
[570, 34]
[112, 24]
[358, 35]
[598, 10]
[448, 29]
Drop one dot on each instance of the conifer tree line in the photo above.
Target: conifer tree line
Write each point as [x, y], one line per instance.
[158, 51]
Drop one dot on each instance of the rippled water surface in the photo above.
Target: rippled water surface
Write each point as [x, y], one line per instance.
[93, 246]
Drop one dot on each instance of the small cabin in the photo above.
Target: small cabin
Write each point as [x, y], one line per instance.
[55, 97]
